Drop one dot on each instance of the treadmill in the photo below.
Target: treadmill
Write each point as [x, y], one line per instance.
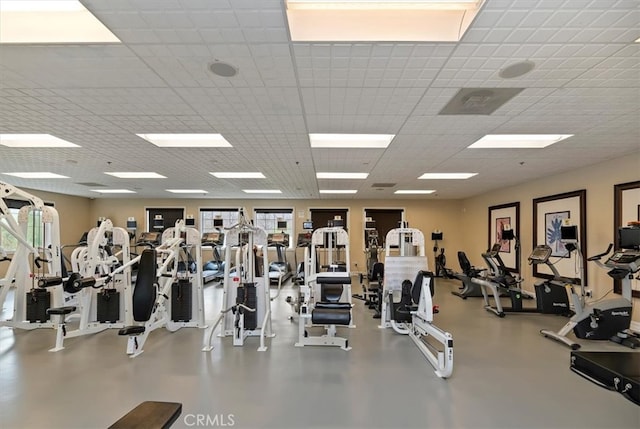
[214, 268]
[279, 270]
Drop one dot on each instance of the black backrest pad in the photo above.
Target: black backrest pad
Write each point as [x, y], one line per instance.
[144, 293]
[465, 265]
[330, 292]
[378, 271]
[417, 285]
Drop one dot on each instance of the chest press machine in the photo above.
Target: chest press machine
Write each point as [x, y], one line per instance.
[98, 305]
[413, 314]
[33, 271]
[163, 295]
[246, 299]
[326, 296]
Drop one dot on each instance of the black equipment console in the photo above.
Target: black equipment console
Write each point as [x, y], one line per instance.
[304, 239]
[212, 238]
[540, 254]
[280, 239]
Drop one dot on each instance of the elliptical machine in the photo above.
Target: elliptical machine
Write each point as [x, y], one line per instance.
[609, 319]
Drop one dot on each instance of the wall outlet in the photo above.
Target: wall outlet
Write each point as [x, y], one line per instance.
[588, 293]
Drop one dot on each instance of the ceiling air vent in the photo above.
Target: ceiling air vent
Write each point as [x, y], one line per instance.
[479, 101]
[91, 184]
[383, 185]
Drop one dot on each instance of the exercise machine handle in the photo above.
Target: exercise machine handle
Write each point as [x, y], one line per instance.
[599, 256]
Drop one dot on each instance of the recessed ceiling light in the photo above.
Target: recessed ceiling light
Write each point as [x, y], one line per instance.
[637, 40]
[380, 20]
[362, 141]
[53, 21]
[37, 175]
[33, 140]
[338, 191]
[238, 175]
[113, 191]
[342, 175]
[186, 140]
[137, 175]
[416, 191]
[223, 69]
[262, 191]
[518, 141]
[447, 175]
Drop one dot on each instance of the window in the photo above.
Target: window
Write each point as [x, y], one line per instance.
[36, 234]
[321, 217]
[169, 218]
[229, 218]
[385, 219]
[268, 220]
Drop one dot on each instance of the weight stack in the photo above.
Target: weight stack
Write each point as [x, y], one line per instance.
[248, 297]
[38, 302]
[181, 293]
[108, 308]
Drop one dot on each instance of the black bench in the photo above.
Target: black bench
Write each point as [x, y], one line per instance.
[150, 415]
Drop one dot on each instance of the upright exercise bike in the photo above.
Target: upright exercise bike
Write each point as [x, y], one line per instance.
[609, 319]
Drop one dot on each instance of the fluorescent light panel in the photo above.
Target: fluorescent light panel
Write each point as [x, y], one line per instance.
[37, 175]
[447, 175]
[356, 141]
[187, 191]
[262, 191]
[342, 175]
[238, 175]
[518, 141]
[415, 191]
[113, 191]
[338, 191]
[33, 140]
[54, 21]
[376, 20]
[382, 4]
[136, 175]
[186, 140]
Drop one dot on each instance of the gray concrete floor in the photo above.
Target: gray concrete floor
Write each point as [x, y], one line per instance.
[505, 376]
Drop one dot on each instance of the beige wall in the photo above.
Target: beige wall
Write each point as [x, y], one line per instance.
[597, 179]
[424, 215]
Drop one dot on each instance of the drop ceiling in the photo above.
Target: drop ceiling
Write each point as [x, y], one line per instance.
[586, 82]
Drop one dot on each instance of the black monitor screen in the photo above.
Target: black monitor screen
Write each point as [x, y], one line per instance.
[218, 223]
[436, 236]
[282, 224]
[569, 232]
[370, 224]
[307, 225]
[507, 234]
[629, 238]
[190, 221]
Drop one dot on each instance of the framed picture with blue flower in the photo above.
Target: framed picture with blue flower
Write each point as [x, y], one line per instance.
[550, 213]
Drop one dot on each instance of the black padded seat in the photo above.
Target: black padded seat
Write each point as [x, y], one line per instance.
[334, 280]
[334, 305]
[61, 310]
[331, 316]
[131, 330]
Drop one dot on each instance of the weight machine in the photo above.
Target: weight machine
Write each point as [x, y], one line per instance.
[31, 267]
[413, 314]
[165, 285]
[326, 296]
[99, 306]
[246, 300]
